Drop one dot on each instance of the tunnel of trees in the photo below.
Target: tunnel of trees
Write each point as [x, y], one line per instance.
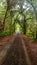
[18, 16]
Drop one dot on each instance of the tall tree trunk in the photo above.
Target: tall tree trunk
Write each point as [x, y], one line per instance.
[14, 26]
[24, 25]
[5, 18]
[36, 34]
[11, 26]
[3, 21]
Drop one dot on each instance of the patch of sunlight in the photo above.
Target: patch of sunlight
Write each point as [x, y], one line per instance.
[17, 7]
[35, 23]
[1, 4]
[26, 6]
[17, 29]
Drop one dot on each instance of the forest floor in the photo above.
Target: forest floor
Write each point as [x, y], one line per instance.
[17, 49]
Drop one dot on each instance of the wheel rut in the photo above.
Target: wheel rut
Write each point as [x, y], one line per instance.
[17, 53]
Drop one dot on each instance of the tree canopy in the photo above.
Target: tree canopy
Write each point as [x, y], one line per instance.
[18, 14]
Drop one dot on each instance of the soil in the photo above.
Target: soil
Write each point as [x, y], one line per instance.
[16, 53]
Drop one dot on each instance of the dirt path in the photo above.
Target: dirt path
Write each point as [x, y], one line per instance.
[25, 52]
[18, 51]
[15, 55]
[5, 49]
[31, 49]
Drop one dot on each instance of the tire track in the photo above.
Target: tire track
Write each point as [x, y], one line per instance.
[5, 50]
[25, 52]
[17, 53]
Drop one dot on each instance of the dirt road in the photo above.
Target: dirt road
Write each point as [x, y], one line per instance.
[16, 52]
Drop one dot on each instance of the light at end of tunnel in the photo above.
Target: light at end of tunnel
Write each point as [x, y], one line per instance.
[17, 31]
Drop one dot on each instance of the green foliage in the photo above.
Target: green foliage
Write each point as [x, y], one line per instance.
[21, 15]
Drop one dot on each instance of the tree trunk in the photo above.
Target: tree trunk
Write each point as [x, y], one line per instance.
[5, 18]
[24, 26]
[36, 35]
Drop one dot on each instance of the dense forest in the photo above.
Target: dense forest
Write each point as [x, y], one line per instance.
[18, 32]
[18, 16]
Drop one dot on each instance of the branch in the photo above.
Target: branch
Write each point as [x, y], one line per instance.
[28, 18]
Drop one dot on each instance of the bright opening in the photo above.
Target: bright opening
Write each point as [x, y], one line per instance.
[17, 28]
